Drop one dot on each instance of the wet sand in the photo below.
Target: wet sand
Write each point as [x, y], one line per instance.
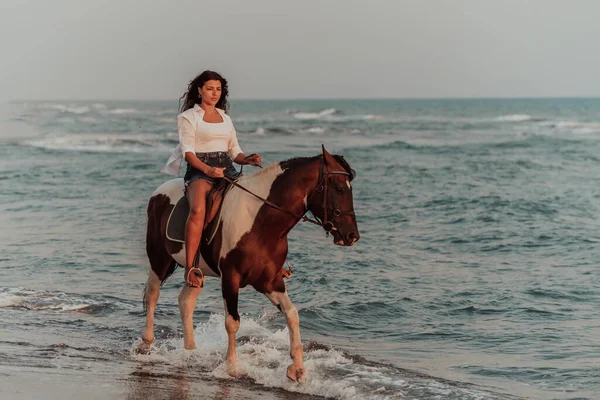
[127, 381]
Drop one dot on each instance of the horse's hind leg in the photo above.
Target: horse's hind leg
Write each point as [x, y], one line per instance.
[151, 293]
[162, 266]
[295, 371]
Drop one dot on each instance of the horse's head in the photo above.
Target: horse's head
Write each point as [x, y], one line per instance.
[332, 201]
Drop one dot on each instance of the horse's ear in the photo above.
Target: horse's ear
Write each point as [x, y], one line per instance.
[327, 157]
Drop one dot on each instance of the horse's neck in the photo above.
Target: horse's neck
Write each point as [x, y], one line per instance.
[288, 188]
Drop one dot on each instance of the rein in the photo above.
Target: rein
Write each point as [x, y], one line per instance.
[325, 224]
[271, 204]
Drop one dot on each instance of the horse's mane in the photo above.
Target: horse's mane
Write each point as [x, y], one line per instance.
[299, 161]
[296, 162]
[261, 172]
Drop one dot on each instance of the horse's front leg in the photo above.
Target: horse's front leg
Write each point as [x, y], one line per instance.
[230, 287]
[187, 304]
[295, 371]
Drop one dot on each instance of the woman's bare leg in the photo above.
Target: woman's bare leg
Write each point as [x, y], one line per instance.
[196, 194]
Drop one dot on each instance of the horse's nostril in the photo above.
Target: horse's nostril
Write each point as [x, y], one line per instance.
[352, 236]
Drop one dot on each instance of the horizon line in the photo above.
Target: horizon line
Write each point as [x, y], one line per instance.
[318, 99]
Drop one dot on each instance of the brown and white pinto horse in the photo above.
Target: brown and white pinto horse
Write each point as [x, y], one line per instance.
[250, 246]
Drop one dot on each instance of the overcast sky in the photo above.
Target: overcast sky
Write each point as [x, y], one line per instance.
[150, 49]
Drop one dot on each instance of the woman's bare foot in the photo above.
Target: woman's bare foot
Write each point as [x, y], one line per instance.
[193, 277]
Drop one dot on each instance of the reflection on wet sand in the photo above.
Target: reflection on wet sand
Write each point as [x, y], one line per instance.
[160, 382]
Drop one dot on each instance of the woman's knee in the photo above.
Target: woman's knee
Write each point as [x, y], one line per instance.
[196, 213]
[197, 199]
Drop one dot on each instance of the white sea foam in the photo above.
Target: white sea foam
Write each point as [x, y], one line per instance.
[569, 127]
[52, 106]
[315, 115]
[264, 357]
[78, 110]
[123, 111]
[332, 115]
[591, 126]
[39, 300]
[115, 143]
[515, 117]
[166, 120]
[73, 108]
[316, 129]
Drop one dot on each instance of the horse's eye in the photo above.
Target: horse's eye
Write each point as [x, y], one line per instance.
[339, 190]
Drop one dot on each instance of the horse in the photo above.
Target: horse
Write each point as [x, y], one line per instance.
[250, 245]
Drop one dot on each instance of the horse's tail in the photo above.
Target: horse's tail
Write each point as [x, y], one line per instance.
[172, 267]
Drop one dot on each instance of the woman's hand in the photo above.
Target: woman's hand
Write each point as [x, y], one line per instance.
[253, 159]
[215, 172]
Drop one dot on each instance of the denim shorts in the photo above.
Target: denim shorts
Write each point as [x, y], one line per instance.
[218, 159]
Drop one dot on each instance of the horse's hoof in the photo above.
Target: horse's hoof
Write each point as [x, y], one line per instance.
[235, 373]
[295, 374]
[144, 346]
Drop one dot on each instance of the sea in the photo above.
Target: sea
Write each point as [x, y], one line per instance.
[476, 276]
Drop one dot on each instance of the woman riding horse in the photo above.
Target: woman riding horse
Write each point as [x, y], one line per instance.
[208, 142]
[250, 244]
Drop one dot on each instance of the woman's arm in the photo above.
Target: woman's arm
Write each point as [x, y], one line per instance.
[252, 159]
[195, 162]
[236, 153]
[240, 159]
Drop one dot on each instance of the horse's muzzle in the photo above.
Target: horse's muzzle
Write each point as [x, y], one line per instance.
[351, 238]
[348, 240]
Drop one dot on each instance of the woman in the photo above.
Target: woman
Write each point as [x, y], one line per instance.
[208, 142]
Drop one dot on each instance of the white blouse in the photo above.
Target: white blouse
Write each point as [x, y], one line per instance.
[199, 136]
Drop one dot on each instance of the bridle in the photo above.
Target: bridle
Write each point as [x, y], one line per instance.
[322, 187]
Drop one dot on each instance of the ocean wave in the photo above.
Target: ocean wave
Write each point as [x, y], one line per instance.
[515, 117]
[123, 111]
[574, 126]
[78, 110]
[40, 300]
[316, 129]
[263, 357]
[73, 109]
[164, 120]
[315, 115]
[116, 143]
[263, 131]
[395, 145]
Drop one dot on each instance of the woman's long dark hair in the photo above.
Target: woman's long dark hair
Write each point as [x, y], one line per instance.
[191, 96]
